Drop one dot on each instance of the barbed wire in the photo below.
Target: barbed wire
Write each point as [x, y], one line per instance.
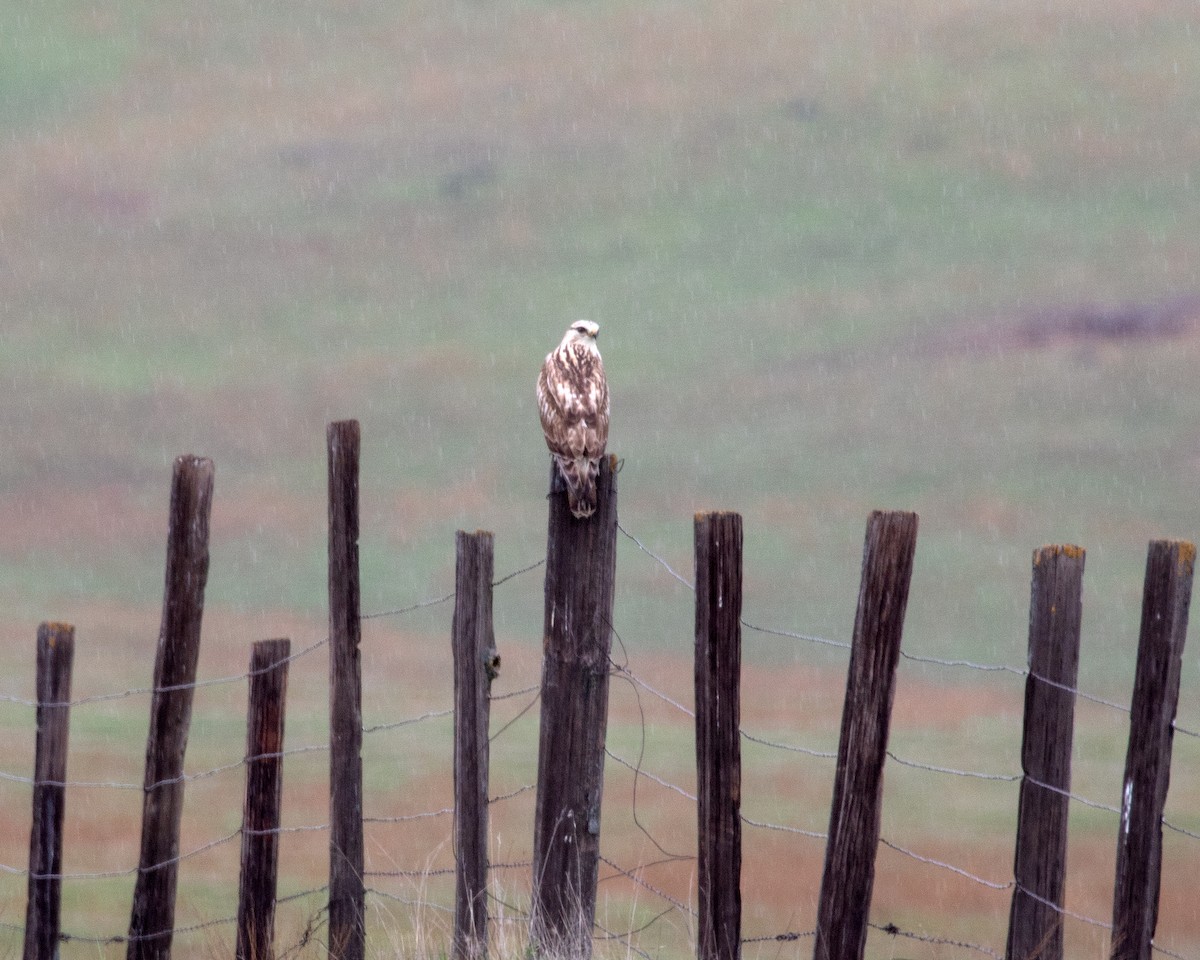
[1095, 805]
[305, 828]
[515, 693]
[421, 872]
[625, 671]
[120, 938]
[145, 937]
[624, 938]
[990, 884]
[1167, 953]
[773, 631]
[646, 885]
[1061, 910]
[659, 560]
[444, 811]
[406, 901]
[788, 937]
[1178, 829]
[912, 657]
[446, 598]
[239, 677]
[410, 817]
[894, 931]
[182, 778]
[408, 722]
[170, 688]
[794, 635]
[650, 776]
[790, 748]
[951, 771]
[675, 904]
[783, 828]
[117, 874]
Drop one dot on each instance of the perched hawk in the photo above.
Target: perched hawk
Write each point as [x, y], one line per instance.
[573, 400]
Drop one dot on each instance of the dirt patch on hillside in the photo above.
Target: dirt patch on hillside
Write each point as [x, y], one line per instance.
[1083, 323]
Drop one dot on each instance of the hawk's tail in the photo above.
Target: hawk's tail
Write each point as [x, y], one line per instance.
[580, 476]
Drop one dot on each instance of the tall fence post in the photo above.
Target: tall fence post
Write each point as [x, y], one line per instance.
[264, 798]
[718, 556]
[153, 915]
[580, 571]
[347, 895]
[1165, 600]
[845, 899]
[475, 664]
[1040, 860]
[55, 654]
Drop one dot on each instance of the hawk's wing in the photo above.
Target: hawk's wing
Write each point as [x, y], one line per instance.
[573, 403]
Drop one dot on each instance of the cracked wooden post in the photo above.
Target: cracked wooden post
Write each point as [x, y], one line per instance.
[347, 894]
[1035, 920]
[580, 570]
[845, 900]
[152, 923]
[476, 662]
[55, 654]
[265, 713]
[1166, 597]
[718, 663]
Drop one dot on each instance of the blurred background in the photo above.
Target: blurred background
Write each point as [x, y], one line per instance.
[844, 256]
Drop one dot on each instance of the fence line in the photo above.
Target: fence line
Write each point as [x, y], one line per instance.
[429, 715]
[1073, 689]
[1021, 672]
[212, 844]
[772, 631]
[639, 772]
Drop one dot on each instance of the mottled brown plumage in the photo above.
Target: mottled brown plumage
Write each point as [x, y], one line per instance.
[573, 402]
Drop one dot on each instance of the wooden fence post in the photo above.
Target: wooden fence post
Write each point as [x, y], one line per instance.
[55, 653]
[1040, 860]
[718, 664]
[347, 895]
[475, 664]
[1165, 600]
[264, 797]
[153, 915]
[580, 570]
[845, 899]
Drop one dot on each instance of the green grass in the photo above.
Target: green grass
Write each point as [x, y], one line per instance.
[61, 55]
[811, 234]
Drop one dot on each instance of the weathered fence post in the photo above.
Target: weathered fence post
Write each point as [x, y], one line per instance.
[580, 570]
[1165, 600]
[153, 916]
[475, 664]
[845, 899]
[347, 895]
[264, 797]
[55, 653]
[1040, 860]
[718, 664]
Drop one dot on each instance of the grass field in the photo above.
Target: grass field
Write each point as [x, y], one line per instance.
[939, 257]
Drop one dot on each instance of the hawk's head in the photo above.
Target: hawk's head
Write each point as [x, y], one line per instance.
[582, 331]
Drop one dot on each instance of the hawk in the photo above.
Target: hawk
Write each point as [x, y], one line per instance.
[573, 401]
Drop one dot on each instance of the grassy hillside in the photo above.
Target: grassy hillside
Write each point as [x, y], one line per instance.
[939, 257]
[816, 242]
